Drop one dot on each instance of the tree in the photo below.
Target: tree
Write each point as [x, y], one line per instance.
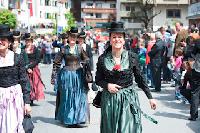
[70, 21]
[145, 13]
[7, 17]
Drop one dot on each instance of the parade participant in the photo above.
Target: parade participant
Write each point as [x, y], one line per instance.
[19, 47]
[87, 48]
[71, 102]
[120, 109]
[37, 86]
[14, 94]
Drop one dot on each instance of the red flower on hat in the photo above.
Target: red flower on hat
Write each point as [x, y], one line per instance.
[117, 68]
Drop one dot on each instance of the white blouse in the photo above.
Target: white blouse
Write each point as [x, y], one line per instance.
[8, 60]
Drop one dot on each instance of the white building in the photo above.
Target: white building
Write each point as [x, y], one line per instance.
[43, 15]
[3, 4]
[171, 12]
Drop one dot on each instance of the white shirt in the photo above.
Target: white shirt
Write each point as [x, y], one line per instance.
[8, 60]
[84, 47]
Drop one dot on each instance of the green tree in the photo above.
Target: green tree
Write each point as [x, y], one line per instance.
[70, 21]
[145, 13]
[7, 17]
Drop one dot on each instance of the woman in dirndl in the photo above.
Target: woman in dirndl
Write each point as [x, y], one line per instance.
[120, 108]
[14, 90]
[72, 108]
[37, 86]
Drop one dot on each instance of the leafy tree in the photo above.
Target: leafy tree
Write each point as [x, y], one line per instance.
[145, 13]
[70, 21]
[7, 17]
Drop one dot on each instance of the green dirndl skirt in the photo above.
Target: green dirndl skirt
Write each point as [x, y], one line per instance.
[121, 113]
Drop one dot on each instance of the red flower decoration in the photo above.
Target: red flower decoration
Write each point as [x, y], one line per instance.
[117, 67]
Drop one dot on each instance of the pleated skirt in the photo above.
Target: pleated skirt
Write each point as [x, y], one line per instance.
[71, 103]
[118, 112]
[11, 109]
[37, 86]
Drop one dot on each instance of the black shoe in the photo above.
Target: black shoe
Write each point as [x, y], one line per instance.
[155, 90]
[192, 119]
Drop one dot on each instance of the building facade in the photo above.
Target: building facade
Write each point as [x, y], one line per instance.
[194, 13]
[124, 8]
[171, 11]
[40, 15]
[3, 4]
[97, 11]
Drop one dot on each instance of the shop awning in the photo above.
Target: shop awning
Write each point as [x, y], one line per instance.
[197, 16]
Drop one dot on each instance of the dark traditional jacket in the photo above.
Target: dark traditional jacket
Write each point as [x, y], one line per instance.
[71, 61]
[90, 55]
[122, 78]
[33, 58]
[13, 75]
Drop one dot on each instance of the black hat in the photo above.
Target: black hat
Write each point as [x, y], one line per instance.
[73, 30]
[82, 34]
[4, 31]
[16, 34]
[116, 27]
[27, 36]
[64, 36]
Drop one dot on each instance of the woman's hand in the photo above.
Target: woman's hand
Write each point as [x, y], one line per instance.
[113, 88]
[27, 109]
[153, 103]
[30, 71]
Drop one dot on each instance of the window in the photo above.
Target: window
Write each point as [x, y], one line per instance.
[47, 3]
[98, 5]
[54, 3]
[194, 1]
[112, 5]
[130, 8]
[173, 13]
[40, 14]
[47, 15]
[66, 5]
[89, 4]
[41, 3]
[89, 14]
[98, 15]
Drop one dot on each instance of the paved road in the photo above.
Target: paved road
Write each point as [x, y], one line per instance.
[171, 114]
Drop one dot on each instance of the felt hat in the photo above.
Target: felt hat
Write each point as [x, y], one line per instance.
[16, 34]
[116, 27]
[5, 31]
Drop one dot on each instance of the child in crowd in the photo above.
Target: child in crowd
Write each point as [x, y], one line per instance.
[142, 56]
[177, 73]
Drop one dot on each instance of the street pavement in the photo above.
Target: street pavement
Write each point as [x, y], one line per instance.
[171, 114]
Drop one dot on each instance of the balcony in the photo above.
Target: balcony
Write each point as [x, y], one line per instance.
[93, 21]
[99, 10]
[125, 13]
[160, 1]
[180, 2]
[128, 1]
[132, 25]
